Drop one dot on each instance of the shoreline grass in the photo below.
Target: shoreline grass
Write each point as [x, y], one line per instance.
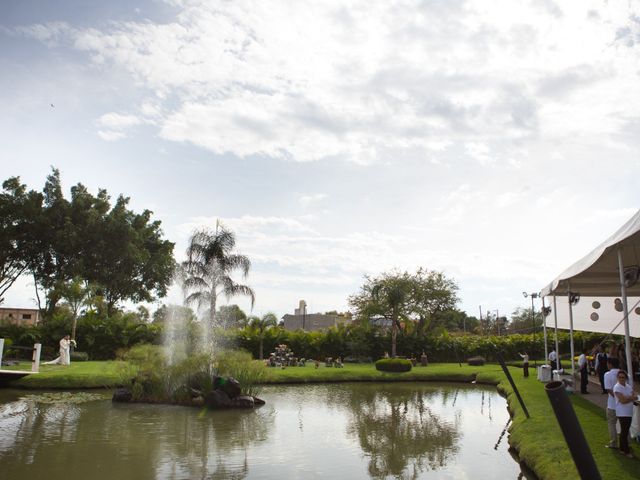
[538, 440]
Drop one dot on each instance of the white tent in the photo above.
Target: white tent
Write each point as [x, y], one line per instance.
[607, 319]
[610, 270]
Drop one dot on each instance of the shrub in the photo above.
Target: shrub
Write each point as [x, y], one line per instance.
[476, 361]
[393, 365]
[241, 366]
[79, 356]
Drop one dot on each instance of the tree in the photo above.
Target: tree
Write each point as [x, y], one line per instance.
[75, 293]
[387, 296]
[522, 321]
[208, 268]
[19, 210]
[404, 297]
[432, 293]
[261, 325]
[454, 320]
[229, 316]
[119, 252]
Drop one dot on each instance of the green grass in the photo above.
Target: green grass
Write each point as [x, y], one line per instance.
[538, 439]
[76, 375]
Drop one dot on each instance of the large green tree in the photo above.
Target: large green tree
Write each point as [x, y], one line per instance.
[432, 293]
[207, 272]
[388, 296]
[117, 251]
[403, 297]
[19, 218]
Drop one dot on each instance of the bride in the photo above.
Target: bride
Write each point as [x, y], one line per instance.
[65, 357]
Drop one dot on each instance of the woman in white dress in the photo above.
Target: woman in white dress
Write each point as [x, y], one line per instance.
[65, 356]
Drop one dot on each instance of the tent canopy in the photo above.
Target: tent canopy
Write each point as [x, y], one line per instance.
[597, 273]
[606, 319]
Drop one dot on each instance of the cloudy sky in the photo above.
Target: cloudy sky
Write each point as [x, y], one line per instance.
[495, 141]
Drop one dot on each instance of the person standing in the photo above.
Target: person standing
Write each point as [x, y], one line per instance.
[525, 364]
[553, 357]
[624, 410]
[610, 379]
[601, 366]
[584, 371]
[64, 357]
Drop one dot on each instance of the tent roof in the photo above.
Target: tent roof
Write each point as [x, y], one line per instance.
[597, 273]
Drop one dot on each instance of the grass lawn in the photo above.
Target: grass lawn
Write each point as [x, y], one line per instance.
[76, 375]
[538, 439]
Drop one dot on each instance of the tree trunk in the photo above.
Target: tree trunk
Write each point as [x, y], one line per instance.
[394, 336]
[73, 326]
[261, 348]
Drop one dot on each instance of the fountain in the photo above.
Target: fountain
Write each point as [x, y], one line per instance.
[187, 370]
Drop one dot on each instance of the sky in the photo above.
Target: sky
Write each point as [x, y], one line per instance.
[496, 142]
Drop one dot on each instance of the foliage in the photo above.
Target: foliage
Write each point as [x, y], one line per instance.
[155, 380]
[19, 211]
[393, 365]
[412, 302]
[58, 240]
[231, 316]
[522, 321]
[241, 366]
[208, 268]
[97, 335]
[261, 325]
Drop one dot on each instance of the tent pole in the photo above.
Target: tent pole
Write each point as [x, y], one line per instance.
[544, 331]
[573, 361]
[555, 319]
[623, 294]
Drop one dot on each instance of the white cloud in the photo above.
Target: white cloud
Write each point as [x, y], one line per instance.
[307, 81]
[113, 126]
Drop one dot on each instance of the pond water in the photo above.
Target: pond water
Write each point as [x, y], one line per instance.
[338, 431]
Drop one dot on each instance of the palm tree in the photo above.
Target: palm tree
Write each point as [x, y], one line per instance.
[262, 325]
[208, 268]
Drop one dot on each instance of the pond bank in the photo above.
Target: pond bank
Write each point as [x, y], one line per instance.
[538, 440]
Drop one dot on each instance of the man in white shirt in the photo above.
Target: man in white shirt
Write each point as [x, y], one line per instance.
[610, 379]
[584, 372]
[552, 360]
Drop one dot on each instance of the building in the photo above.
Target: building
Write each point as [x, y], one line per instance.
[19, 316]
[301, 320]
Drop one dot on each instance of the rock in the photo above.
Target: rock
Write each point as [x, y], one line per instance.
[231, 387]
[122, 395]
[197, 401]
[258, 401]
[243, 401]
[217, 399]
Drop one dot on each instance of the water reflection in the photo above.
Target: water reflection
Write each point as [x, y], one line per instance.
[101, 440]
[322, 431]
[400, 432]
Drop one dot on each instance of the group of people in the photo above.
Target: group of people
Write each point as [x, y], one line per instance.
[614, 383]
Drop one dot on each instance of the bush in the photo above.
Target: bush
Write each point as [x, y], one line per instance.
[241, 366]
[476, 361]
[393, 365]
[79, 356]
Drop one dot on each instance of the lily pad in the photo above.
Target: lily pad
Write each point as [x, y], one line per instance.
[64, 397]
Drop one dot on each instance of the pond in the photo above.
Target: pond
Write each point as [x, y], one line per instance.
[336, 431]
